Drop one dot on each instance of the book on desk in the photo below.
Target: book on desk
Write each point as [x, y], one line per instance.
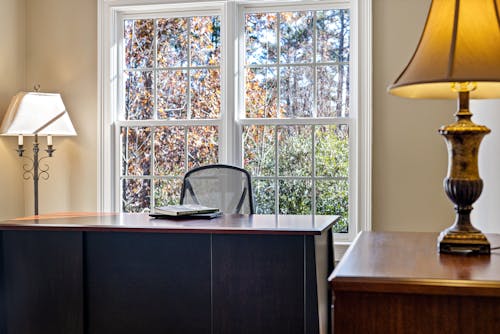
[186, 211]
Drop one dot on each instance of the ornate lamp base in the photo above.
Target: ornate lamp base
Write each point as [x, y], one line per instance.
[463, 184]
[463, 243]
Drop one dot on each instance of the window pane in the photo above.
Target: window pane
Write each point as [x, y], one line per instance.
[136, 150]
[258, 150]
[136, 194]
[261, 92]
[332, 198]
[159, 82]
[261, 38]
[296, 37]
[333, 91]
[333, 35]
[205, 94]
[205, 40]
[138, 95]
[138, 43]
[296, 91]
[264, 193]
[167, 192]
[203, 145]
[172, 94]
[172, 42]
[169, 150]
[332, 150]
[295, 150]
[295, 197]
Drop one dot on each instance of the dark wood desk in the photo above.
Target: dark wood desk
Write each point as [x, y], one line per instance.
[398, 283]
[127, 273]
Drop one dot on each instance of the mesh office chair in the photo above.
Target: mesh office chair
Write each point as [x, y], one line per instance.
[222, 186]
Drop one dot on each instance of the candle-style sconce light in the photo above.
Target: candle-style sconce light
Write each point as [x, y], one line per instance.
[36, 114]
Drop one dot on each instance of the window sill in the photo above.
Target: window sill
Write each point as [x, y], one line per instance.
[340, 248]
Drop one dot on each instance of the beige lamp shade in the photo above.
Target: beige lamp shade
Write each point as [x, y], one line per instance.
[460, 43]
[37, 113]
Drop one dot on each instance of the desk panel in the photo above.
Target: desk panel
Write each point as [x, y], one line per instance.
[42, 282]
[158, 282]
[258, 270]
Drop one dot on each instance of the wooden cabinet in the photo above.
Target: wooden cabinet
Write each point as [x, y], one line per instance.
[398, 283]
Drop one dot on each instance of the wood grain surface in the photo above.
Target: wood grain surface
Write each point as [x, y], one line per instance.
[141, 222]
[391, 282]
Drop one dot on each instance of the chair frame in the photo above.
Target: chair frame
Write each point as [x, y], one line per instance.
[239, 169]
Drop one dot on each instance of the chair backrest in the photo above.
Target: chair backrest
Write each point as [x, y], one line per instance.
[226, 187]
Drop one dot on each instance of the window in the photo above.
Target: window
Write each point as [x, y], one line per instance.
[273, 91]
[170, 84]
[297, 74]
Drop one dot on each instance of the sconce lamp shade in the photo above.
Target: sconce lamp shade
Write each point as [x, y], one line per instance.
[460, 43]
[36, 113]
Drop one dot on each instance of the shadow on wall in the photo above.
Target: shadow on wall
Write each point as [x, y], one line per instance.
[11, 180]
[486, 213]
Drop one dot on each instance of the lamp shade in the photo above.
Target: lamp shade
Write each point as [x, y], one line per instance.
[460, 43]
[37, 113]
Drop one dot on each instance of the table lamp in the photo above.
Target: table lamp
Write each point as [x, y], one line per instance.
[36, 114]
[458, 56]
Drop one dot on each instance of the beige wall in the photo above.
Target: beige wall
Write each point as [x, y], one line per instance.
[486, 214]
[12, 71]
[52, 43]
[409, 157]
[61, 56]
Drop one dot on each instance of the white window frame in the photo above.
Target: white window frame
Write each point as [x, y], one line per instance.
[110, 11]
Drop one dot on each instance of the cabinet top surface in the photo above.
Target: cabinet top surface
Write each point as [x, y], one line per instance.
[412, 258]
[138, 222]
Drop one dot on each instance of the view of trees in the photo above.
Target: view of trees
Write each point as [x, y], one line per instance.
[296, 67]
[294, 182]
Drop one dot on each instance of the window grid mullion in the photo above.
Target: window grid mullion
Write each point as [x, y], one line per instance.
[318, 178]
[313, 171]
[276, 128]
[276, 169]
[122, 141]
[178, 68]
[188, 111]
[297, 121]
[123, 170]
[331, 63]
[124, 155]
[315, 68]
[186, 150]
[149, 177]
[308, 178]
[152, 166]
[172, 122]
[278, 64]
[155, 72]
[155, 113]
[314, 113]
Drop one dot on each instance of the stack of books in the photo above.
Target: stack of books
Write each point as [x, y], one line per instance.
[185, 211]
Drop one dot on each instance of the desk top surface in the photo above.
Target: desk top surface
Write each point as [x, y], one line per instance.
[403, 261]
[138, 222]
